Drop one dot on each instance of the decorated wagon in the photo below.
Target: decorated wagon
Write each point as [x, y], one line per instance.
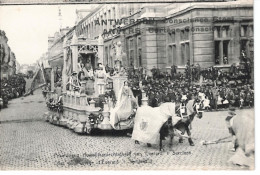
[88, 92]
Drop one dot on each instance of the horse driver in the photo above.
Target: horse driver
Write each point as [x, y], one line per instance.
[192, 108]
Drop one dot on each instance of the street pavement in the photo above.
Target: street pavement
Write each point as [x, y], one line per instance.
[27, 142]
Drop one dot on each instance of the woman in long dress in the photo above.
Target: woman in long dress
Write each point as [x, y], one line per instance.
[124, 108]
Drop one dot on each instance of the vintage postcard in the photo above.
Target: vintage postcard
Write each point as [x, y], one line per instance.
[127, 85]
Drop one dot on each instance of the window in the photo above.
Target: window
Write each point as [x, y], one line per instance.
[171, 37]
[139, 48]
[250, 30]
[97, 26]
[140, 57]
[247, 32]
[101, 24]
[89, 31]
[185, 47]
[122, 10]
[131, 10]
[187, 50]
[110, 56]
[217, 30]
[92, 30]
[114, 13]
[221, 52]
[105, 21]
[139, 42]
[222, 35]
[171, 55]
[225, 31]
[225, 49]
[106, 56]
[186, 34]
[86, 30]
[131, 57]
[217, 57]
[131, 52]
[172, 48]
[182, 35]
[108, 22]
[221, 32]
[182, 54]
[243, 30]
[131, 44]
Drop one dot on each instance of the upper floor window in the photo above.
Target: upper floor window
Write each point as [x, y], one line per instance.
[221, 31]
[171, 37]
[246, 30]
[184, 35]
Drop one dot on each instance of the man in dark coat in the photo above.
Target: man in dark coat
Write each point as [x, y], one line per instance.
[171, 95]
[137, 94]
[152, 100]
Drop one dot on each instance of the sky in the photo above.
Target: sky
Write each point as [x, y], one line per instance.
[28, 27]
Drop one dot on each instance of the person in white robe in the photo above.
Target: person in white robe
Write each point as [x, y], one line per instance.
[149, 120]
[101, 79]
[125, 106]
[206, 103]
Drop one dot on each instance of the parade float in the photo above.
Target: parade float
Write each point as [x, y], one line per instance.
[86, 99]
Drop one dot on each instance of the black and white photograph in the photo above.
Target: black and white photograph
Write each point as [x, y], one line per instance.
[127, 85]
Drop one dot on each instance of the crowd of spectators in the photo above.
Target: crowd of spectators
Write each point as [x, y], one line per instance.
[13, 87]
[217, 89]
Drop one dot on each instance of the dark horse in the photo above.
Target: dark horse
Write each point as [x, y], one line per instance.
[183, 125]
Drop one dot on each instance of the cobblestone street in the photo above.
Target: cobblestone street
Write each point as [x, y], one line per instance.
[28, 142]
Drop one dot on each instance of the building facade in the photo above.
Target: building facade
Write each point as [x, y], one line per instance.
[157, 35]
[7, 57]
[207, 34]
[216, 34]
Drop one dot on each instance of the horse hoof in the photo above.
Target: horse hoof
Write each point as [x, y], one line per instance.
[137, 142]
[161, 149]
[191, 144]
[180, 140]
[149, 145]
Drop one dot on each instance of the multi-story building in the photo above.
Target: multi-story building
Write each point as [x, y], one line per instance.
[203, 33]
[158, 35]
[7, 57]
[213, 31]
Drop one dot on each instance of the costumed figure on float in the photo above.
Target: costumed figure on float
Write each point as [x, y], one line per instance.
[100, 79]
[124, 109]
